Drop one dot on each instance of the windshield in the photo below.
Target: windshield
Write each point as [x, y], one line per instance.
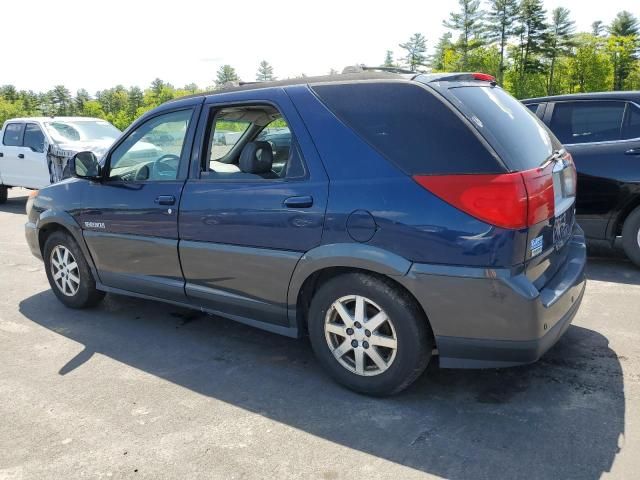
[82, 130]
[520, 138]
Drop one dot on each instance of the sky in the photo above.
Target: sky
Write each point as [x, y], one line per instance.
[97, 44]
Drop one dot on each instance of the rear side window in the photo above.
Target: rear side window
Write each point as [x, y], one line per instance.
[587, 121]
[33, 137]
[409, 126]
[13, 134]
[520, 138]
[632, 124]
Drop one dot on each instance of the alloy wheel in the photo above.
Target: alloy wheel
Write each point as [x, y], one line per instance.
[360, 335]
[64, 270]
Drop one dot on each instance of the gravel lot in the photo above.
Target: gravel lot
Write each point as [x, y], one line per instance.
[136, 389]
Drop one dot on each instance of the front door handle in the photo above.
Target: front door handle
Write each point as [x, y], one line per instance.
[21, 155]
[299, 202]
[1, 154]
[633, 151]
[165, 200]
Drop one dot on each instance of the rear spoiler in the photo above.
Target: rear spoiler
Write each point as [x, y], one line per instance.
[458, 77]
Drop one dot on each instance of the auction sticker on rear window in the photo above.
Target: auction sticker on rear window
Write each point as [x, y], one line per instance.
[536, 246]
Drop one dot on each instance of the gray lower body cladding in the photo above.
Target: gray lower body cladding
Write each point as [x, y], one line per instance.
[485, 318]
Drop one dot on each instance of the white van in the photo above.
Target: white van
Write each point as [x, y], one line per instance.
[34, 151]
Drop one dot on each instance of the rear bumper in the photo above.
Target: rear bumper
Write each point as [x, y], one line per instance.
[486, 318]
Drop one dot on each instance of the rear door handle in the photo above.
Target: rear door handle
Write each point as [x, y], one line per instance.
[633, 151]
[299, 202]
[21, 155]
[165, 200]
[1, 154]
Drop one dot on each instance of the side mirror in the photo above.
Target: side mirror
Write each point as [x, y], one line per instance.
[84, 165]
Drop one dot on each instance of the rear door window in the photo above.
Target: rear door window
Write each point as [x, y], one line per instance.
[13, 135]
[587, 121]
[410, 126]
[33, 137]
[631, 127]
[521, 139]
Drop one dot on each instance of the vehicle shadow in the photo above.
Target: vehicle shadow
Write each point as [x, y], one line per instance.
[559, 418]
[14, 205]
[613, 269]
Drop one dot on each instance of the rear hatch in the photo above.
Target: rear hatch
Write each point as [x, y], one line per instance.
[532, 155]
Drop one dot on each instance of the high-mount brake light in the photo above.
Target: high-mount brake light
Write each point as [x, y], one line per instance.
[485, 77]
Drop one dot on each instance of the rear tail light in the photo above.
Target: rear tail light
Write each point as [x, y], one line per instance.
[509, 200]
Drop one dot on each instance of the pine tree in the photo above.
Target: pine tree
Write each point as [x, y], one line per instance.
[82, 97]
[445, 44]
[416, 48]
[623, 45]
[596, 28]
[531, 30]
[560, 41]
[624, 25]
[60, 100]
[226, 74]
[468, 21]
[388, 59]
[500, 27]
[265, 72]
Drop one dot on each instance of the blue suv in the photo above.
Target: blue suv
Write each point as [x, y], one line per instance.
[410, 216]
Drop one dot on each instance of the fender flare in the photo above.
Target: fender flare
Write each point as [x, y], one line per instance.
[50, 218]
[349, 255]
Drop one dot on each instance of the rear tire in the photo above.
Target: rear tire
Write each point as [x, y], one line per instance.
[631, 236]
[382, 359]
[4, 193]
[68, 272]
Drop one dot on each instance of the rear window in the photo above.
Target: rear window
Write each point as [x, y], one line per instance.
[520, 138]
[410, 126]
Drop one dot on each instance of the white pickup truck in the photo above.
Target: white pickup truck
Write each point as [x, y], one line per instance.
[34, 151]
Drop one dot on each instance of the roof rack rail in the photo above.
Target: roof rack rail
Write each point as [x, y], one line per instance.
[388, 69]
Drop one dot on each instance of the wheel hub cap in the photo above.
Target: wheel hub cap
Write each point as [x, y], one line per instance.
[360, 335]
[64, 270]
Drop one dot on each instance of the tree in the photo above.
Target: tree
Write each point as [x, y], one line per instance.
[442, 52]
[415, 47]
[500, 27]
[559, 41]
[226, 74]
[531, 30]
[624, 25]
[596, 28]
[388, 59]
[60, 100]
[333, 71]
[265, 72]
[468, 21]
[622, 54]
[82, 96]
[589, 66]
[135, 101]
[9, 93]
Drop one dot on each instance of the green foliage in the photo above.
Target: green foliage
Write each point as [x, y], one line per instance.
[415, 47]
[501, 19]
[226, 74]
[559, 42]
[388, 59]
[265, 72]
[469, 22]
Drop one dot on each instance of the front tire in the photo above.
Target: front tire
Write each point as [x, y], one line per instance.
[370, 335]
[4, 193]
[68, 273]
[631, 236]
